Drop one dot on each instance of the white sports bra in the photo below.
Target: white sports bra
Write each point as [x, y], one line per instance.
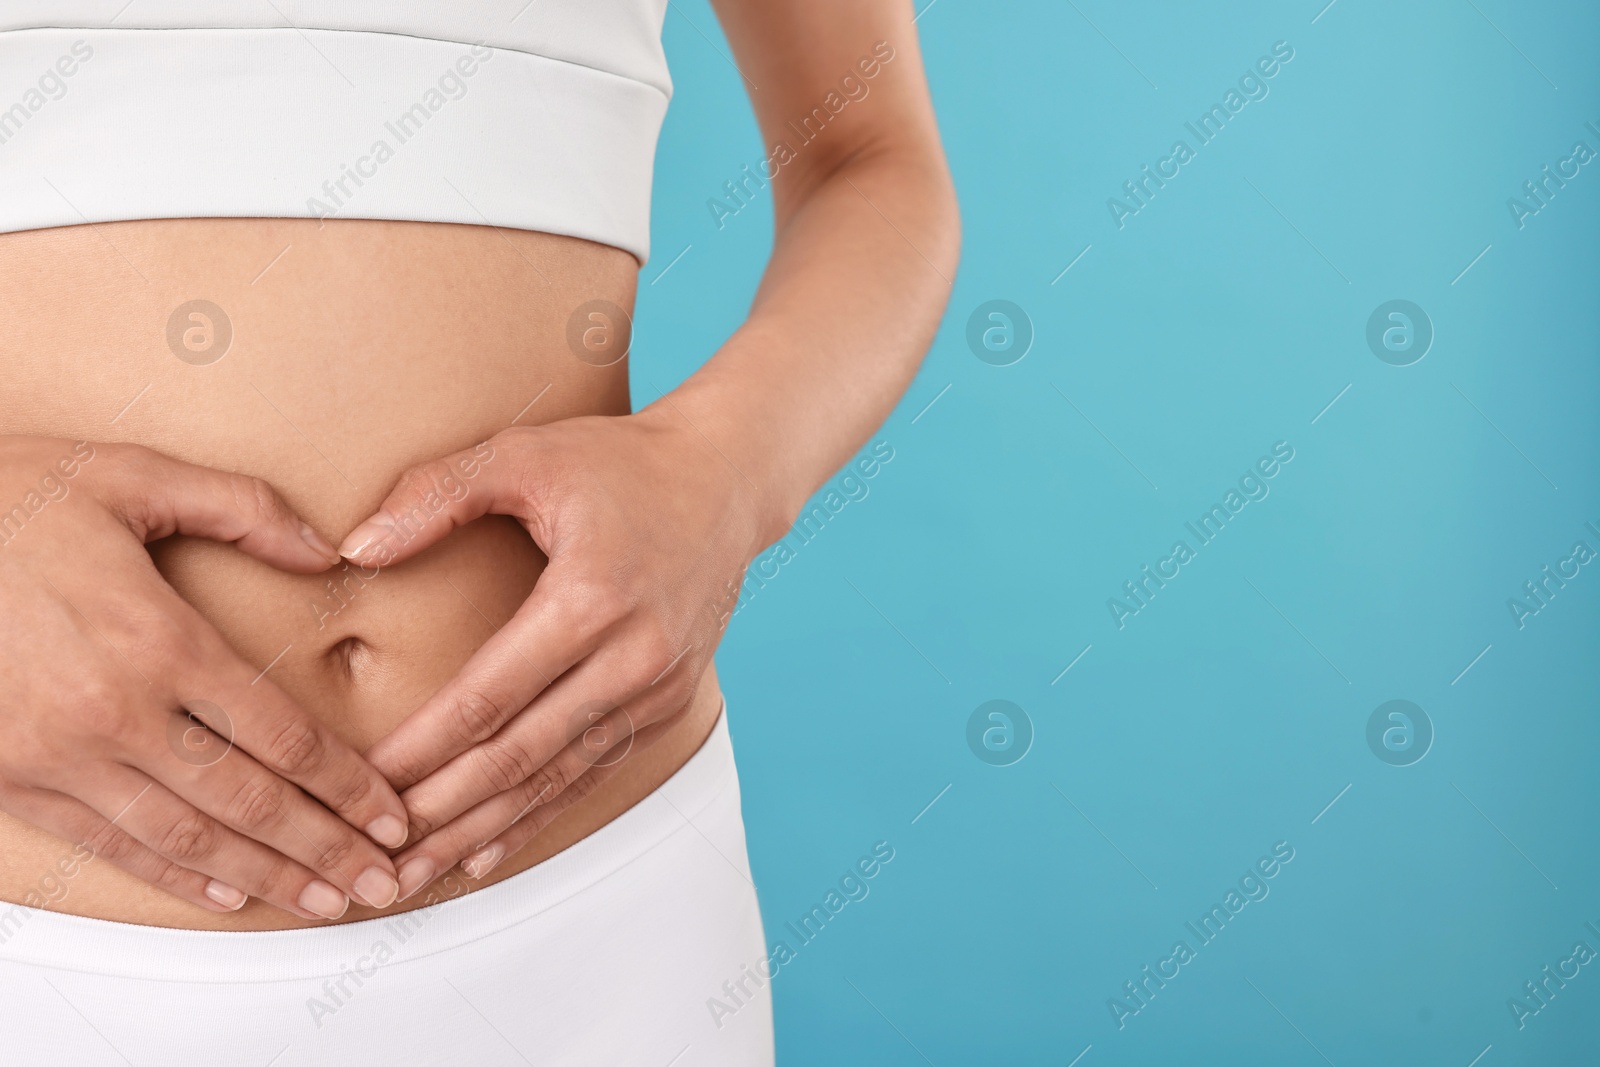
[538, 115]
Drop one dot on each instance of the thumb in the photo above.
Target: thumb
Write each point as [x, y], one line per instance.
[431, 500]
[156, 496]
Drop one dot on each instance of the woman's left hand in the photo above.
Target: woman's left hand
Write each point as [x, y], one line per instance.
[648, 529]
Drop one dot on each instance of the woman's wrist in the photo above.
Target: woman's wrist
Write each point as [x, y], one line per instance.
[765, 492]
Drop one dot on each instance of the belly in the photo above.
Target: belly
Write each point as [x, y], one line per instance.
[327, 359]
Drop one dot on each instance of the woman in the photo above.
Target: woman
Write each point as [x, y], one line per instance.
[465, 793]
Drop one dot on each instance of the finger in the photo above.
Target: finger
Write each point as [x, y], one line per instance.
[430, 500]
[96, 837]
[527, 754]
[500, 826]
[258, 717]
[541, 812]
[157, 496]
[260, 805]
[262, 802]
[562, 622]
[561, 713]
[182, 834]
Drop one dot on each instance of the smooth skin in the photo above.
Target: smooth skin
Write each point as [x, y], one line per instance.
[650, 519]
[586, 696]
[367, 347]
[101, 652]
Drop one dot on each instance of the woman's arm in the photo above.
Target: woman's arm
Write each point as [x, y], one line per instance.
[865, 249]
[650, 519]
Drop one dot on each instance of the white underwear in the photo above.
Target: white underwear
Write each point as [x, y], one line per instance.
[604, 954]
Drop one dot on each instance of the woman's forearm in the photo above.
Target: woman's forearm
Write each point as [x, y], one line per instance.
[860, 273]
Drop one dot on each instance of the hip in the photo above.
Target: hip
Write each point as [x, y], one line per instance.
[609, 952]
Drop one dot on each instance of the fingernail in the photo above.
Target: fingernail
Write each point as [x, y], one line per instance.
[376, 888]
[318, 543]
[388, 831]
[225, 894]
[322, 899]
[415, 874]
[362, 538]
[481, 863]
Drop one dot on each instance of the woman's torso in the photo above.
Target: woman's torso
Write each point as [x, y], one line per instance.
[357, 349]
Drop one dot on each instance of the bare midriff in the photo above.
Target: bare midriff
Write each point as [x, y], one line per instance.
[358, 348]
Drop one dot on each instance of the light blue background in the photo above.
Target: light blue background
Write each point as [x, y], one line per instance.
[1223, 318]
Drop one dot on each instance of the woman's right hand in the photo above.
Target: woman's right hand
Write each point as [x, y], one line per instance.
[109, 681]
